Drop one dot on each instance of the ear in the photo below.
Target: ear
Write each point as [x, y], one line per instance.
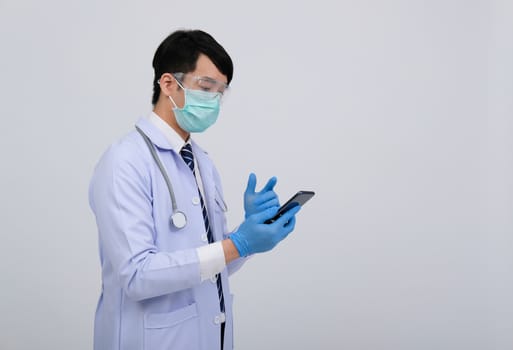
[167, 84]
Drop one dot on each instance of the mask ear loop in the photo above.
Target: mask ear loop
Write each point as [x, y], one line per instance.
[180, 85]
[173, 101]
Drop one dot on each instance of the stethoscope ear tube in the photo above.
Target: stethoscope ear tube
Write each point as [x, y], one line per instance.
[178, 218]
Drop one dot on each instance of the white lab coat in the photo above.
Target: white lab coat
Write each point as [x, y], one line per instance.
[152, 296]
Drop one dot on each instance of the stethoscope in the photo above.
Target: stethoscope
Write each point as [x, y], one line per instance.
[178, 218]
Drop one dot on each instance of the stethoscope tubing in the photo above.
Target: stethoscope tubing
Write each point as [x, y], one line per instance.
[178, 218]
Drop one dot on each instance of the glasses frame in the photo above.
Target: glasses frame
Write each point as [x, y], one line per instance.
[223, 87]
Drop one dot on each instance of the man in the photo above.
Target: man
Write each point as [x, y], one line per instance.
[164, 246]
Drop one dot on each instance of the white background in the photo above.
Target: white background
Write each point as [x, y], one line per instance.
[399, 114]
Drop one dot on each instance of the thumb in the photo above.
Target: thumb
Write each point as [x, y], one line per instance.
[288, 215]
[250, 188]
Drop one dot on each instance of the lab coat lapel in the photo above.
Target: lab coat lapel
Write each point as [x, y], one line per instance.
[209, 186]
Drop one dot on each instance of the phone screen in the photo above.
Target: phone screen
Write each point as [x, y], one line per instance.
[300, 198]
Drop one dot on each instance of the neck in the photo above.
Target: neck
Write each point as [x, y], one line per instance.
[167, 115]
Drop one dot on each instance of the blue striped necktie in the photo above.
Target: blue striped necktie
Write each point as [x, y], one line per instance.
[188, 157]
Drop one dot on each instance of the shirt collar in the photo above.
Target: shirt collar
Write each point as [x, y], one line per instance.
[175, 141]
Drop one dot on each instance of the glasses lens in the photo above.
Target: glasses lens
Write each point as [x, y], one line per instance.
[211, 85]
[201, 83]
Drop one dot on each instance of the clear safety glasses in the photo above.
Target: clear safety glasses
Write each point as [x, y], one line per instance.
[207, 84]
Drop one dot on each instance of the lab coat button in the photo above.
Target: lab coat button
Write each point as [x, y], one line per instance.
[195, 200]
[213, 279]
[217, 320]
[204, 237]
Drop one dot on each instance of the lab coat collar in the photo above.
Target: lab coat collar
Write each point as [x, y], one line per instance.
[158, 136]
[155, 135]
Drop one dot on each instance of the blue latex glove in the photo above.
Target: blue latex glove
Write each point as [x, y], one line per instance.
[255, 202]
[254, 236]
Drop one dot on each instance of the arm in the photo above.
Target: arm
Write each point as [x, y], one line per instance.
[230, 252]
[121, 199]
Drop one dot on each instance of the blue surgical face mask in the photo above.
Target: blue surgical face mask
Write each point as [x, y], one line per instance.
[200, 110]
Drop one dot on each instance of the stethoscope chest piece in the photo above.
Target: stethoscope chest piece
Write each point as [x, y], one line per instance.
[178, 219]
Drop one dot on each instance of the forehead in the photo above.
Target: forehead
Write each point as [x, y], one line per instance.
[206, 68]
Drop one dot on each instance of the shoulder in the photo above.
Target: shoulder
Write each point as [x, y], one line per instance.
[129, 153]
[123, 168]
[200, 153]
[202, 156]
[207, 161]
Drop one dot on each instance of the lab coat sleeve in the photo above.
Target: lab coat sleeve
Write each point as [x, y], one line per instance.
[120, 196]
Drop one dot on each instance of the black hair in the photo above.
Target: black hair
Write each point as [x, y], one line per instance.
[179, 52]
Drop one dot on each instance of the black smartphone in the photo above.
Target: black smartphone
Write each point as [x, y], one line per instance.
[300, 198]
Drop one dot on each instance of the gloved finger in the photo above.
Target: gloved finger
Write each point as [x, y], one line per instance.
[287, 216]
[290, 225]
[271, 202]
[268, 204]
[284, 231]
[252, 180]
[288, 228]
[266, 197]
[270, 184]
[265, 215]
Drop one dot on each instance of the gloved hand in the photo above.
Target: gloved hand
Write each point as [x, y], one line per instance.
[254, 236]
[255, 202]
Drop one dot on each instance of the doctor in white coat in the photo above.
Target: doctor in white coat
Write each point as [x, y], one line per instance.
[165, 249]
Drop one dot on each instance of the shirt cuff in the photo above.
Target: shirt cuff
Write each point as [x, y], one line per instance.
[211, 260]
